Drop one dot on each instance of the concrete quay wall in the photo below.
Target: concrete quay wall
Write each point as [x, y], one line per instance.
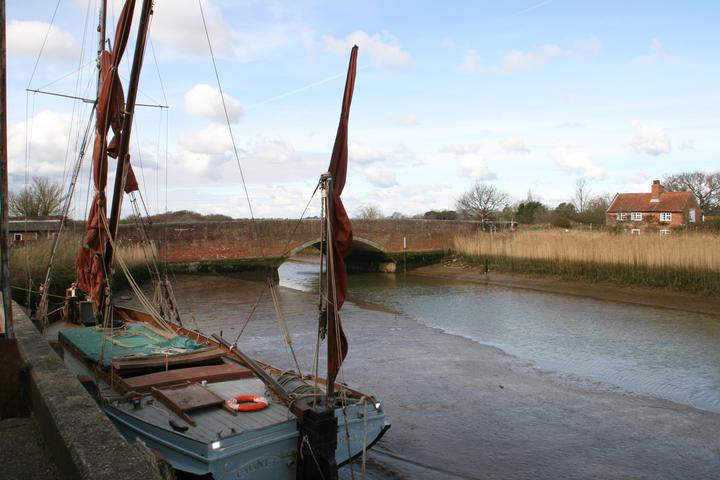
[82, 441]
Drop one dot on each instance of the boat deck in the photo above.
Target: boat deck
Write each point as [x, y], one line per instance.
[214, 423]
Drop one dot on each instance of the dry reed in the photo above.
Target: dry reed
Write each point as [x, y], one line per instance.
[685, 261]
[29, 263]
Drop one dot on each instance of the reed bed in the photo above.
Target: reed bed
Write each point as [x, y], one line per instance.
[682, 261]
[29, 263]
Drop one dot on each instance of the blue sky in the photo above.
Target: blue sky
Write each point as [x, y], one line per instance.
[525, 95]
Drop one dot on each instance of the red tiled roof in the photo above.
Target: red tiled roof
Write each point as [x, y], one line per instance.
[640, 202]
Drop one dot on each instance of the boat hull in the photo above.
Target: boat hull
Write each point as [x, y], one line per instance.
[268, 453]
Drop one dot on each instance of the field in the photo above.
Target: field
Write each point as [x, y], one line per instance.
[680, 261]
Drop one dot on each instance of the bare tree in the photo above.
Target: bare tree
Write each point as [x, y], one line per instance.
[370, 211]
[481, 201]
[705, 186]
[581, 195]
[44, 197]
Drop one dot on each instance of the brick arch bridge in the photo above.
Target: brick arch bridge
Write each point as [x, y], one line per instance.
[379, 245]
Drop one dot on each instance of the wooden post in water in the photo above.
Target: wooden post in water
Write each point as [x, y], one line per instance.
[6, 327]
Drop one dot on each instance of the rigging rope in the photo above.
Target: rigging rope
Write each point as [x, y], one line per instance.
[227, 120]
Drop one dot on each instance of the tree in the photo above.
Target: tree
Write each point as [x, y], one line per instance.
[705, 186]
[581, 195]
[595, 210]
[527, 211]
[43, 198]
[481, 201]
[370, 211]
[440, 215]
[563, 214]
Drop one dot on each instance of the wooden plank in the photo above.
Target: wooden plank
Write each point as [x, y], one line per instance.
[211, 373]
[187, 397]
[207, 356]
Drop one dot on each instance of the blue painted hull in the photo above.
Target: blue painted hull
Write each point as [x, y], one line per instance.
[264, 454]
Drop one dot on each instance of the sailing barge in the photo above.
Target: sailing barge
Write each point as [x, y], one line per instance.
[199, 402]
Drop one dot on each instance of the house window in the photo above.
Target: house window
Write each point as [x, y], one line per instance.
[635, 231]
[666, 217]
[620, 216]
[17, 237]
[636, 216]
[691, 215]
[664, 232]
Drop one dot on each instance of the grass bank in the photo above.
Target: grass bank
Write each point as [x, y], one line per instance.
[689, 262]
[30, 262]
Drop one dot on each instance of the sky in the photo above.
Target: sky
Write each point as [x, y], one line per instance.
[526, 95]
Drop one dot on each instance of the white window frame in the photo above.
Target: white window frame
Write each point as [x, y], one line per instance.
[636, 216]
[664, 232]
[635, 231]
[666, 217]
[620, 216]
[691, 215]
[17, 237]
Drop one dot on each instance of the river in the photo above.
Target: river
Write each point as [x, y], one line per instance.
[491, 382]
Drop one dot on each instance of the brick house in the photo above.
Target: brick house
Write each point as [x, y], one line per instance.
[657, 212]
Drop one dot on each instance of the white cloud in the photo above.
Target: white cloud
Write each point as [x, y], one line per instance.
[363, 153]
[656, 54]
[26, 38]
[686, 145]
[474, 166]
[275, 151]
[651, 140]
[195, 163]
[471, 62]
[470, 161]
[179, 25]
[213, 139]
[650, 58]
[514, 145]
[203, 100]
[49, 132]
[579, 163]
[518, 60]
[381, 177]
[382, 49]
[408, 120]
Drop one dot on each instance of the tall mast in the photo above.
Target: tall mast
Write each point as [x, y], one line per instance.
[123, 159]
[101, 38]
[4, 247]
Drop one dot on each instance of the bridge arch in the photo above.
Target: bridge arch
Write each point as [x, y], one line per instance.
[366, 255]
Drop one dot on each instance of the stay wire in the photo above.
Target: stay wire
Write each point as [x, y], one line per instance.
[42, 47]
[227, 119]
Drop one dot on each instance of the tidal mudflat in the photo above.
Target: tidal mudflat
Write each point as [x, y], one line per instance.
[461, 408]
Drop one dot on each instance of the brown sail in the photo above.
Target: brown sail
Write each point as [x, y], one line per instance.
[110, 103]
[342, 236]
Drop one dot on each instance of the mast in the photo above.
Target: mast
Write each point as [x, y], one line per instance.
[123, 159]
[101, 38]
[7, 328]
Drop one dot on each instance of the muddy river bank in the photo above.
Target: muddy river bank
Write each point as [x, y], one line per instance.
[477, 385]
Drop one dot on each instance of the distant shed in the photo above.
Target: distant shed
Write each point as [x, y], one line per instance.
[24, 229]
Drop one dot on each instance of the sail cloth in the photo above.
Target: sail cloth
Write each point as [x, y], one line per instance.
[108, 114]
[342, 236]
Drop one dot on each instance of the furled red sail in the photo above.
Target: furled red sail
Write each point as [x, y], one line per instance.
[108, 114]
[342, 236]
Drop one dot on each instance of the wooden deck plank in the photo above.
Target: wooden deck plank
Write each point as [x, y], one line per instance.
[210, 373]
[207, 356]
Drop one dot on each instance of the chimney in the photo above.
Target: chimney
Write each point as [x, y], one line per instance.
[657, 190]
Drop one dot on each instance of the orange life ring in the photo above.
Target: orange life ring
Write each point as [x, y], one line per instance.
[247, 403]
